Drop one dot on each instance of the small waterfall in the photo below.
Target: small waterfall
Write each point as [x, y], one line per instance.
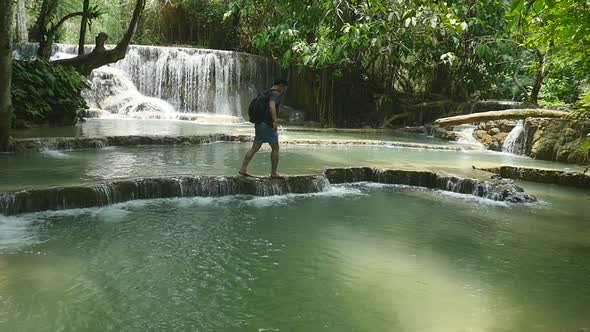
[465, 134]
[112, 91]
[197, 81]
[118, 191]
[515, 141]
[497, 190]
[198, 84]
[84, 196]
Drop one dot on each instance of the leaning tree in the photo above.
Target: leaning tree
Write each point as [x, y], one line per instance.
[100, 56]
[45, 30]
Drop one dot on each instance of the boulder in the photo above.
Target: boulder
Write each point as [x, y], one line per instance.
[492, 134]
[572, 179]
[559, 140]
[498, 190]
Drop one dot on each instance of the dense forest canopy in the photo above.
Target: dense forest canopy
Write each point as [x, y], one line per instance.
[389, 53]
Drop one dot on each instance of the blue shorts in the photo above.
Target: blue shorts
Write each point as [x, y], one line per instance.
[265, 134]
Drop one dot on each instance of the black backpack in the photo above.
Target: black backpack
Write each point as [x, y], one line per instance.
[258, 108]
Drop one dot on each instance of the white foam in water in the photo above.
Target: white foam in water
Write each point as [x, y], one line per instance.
[377, 185]
[465, 133]
[113, 91]
[17, 232]
[268, 201]
[56, 154]
[472, 198]
[515, 141]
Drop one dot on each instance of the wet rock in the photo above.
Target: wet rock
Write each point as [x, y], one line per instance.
[572, 179]
[559, 140]
[498, 190]
[57, 143]
[443, 134]
[415, 130]
[494, 131]
[72, 143]
[381, 143]
[75, 143]
[102, 194]
[492, 134]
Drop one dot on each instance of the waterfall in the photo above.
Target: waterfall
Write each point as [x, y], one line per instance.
[117, 191]
[196, 84]
[465, 134]
[111, 90]
[515, 141]
[497, 190]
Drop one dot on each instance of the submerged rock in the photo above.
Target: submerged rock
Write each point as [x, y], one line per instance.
[492, 134]
[498, 190]
[442, 133]
[84, 196]
[74, 143]
[102, 194]
[572, 179]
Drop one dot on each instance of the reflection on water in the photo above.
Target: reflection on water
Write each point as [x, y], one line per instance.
[353, 259]
[72, 167]
[129, 126]
[359, 257]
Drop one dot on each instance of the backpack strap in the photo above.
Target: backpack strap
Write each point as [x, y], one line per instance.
[269, 90]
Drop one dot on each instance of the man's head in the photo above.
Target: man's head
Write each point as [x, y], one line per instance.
[281, 84]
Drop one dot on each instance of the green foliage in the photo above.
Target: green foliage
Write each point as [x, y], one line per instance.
[42, 92]
[454, 49]
[395, 45]
[581, 109]
[560, 25]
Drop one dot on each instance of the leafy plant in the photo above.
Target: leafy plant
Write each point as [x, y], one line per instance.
[46, 93]
[581, 109]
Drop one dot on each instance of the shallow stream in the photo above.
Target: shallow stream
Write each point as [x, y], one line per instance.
[361, 257]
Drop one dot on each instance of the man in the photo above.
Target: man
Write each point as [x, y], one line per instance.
[266, 131]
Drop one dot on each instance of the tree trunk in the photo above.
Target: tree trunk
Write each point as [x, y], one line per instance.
[40, 29]
[22, 35]
[83, 26]
[499, 115]
[540, 75]
[100, 56]
[5, 72]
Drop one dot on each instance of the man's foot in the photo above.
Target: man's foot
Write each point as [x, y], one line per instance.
[245, 173]
[276, 176]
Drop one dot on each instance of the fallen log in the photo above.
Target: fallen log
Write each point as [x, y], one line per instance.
[512, 114]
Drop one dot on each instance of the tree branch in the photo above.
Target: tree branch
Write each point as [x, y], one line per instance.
[63, 20]
[100, 56]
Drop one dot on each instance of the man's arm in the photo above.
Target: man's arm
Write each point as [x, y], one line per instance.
[273, 114]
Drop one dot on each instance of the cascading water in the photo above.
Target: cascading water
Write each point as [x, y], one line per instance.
[515, 141]
[198, 84]
[465, 134]
[110, 90]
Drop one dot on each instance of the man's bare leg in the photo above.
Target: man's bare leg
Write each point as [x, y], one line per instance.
[249, 155]
[274, 159]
